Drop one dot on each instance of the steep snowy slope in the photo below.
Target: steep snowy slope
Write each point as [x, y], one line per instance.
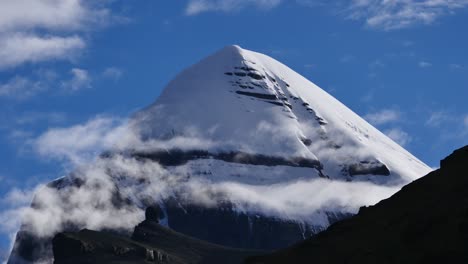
[248, 103]
[238, 150]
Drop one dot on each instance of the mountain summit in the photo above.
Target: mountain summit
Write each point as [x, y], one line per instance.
[239, 150]
[248, 103]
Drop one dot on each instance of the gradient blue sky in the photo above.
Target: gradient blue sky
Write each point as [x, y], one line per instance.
[85, 65]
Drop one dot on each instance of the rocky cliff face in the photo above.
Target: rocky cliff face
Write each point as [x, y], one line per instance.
[425, 222]
[150, 243]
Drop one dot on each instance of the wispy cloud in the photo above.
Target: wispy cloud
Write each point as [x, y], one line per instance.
[80, 80]
[376, 64]
[385, 15]
[33, 31]
[347, 58]
[20, 88]
[195, 7]
[407, 43]
[450, 125]
[397, 14]
[399, 136]
[424, 64]
[142, 181]
[28, 118]
[112, 73]
[81, 143]
[438, 118]
[17, 49]
[383, 116]
[455, 66]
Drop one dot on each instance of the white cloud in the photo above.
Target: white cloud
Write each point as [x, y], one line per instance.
[142, 181]
[17, 197]
[195, 7]
[80, 80]
[81, 143]
[347, 58]
[377, 64]
[33, 31]
[399, 136]
[16, 49]
[112, 73]
[28, 118]
[49, 14]
[92, 205]
[397, 14]
[20, 88]
[456, 66]
[424, 64]
[383, 117]
[407, 43]
[438, 118]
[450, 125]
[386, 15]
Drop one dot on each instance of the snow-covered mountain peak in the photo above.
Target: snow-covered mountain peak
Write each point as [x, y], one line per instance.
[244, 102]
[236, 144]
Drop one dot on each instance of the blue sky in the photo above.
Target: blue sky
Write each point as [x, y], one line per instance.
[80, 67]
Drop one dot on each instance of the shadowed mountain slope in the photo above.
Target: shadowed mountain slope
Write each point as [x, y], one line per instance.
[425, 222]
[150, 243]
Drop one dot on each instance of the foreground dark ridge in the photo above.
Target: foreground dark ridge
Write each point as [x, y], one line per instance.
[150, 243]
[425, 222]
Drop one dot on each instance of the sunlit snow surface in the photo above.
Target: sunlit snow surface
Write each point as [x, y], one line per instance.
[238, 127]
[246, 101]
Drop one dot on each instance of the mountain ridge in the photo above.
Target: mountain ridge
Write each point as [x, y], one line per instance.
[240, 138]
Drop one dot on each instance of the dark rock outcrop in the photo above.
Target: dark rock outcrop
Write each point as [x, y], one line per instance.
[425, 222]
[176, 157]
[368, 168]
[150, 243]
[225, 226]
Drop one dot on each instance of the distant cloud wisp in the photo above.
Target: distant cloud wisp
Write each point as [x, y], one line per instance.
[377, 14]
[112, 73]
[399, 136]
[195, 7]
[383, 117]
[398, 14]
[23, 87]
[424, 64]
[465, 121]
[80, 80]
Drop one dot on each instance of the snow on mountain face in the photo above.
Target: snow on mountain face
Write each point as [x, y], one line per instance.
[248, 104]
[237, 148]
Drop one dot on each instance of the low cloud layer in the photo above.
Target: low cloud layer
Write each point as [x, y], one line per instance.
[113, 191]
[81, 143]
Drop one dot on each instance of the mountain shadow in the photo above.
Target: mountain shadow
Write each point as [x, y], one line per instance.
[425, 222]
